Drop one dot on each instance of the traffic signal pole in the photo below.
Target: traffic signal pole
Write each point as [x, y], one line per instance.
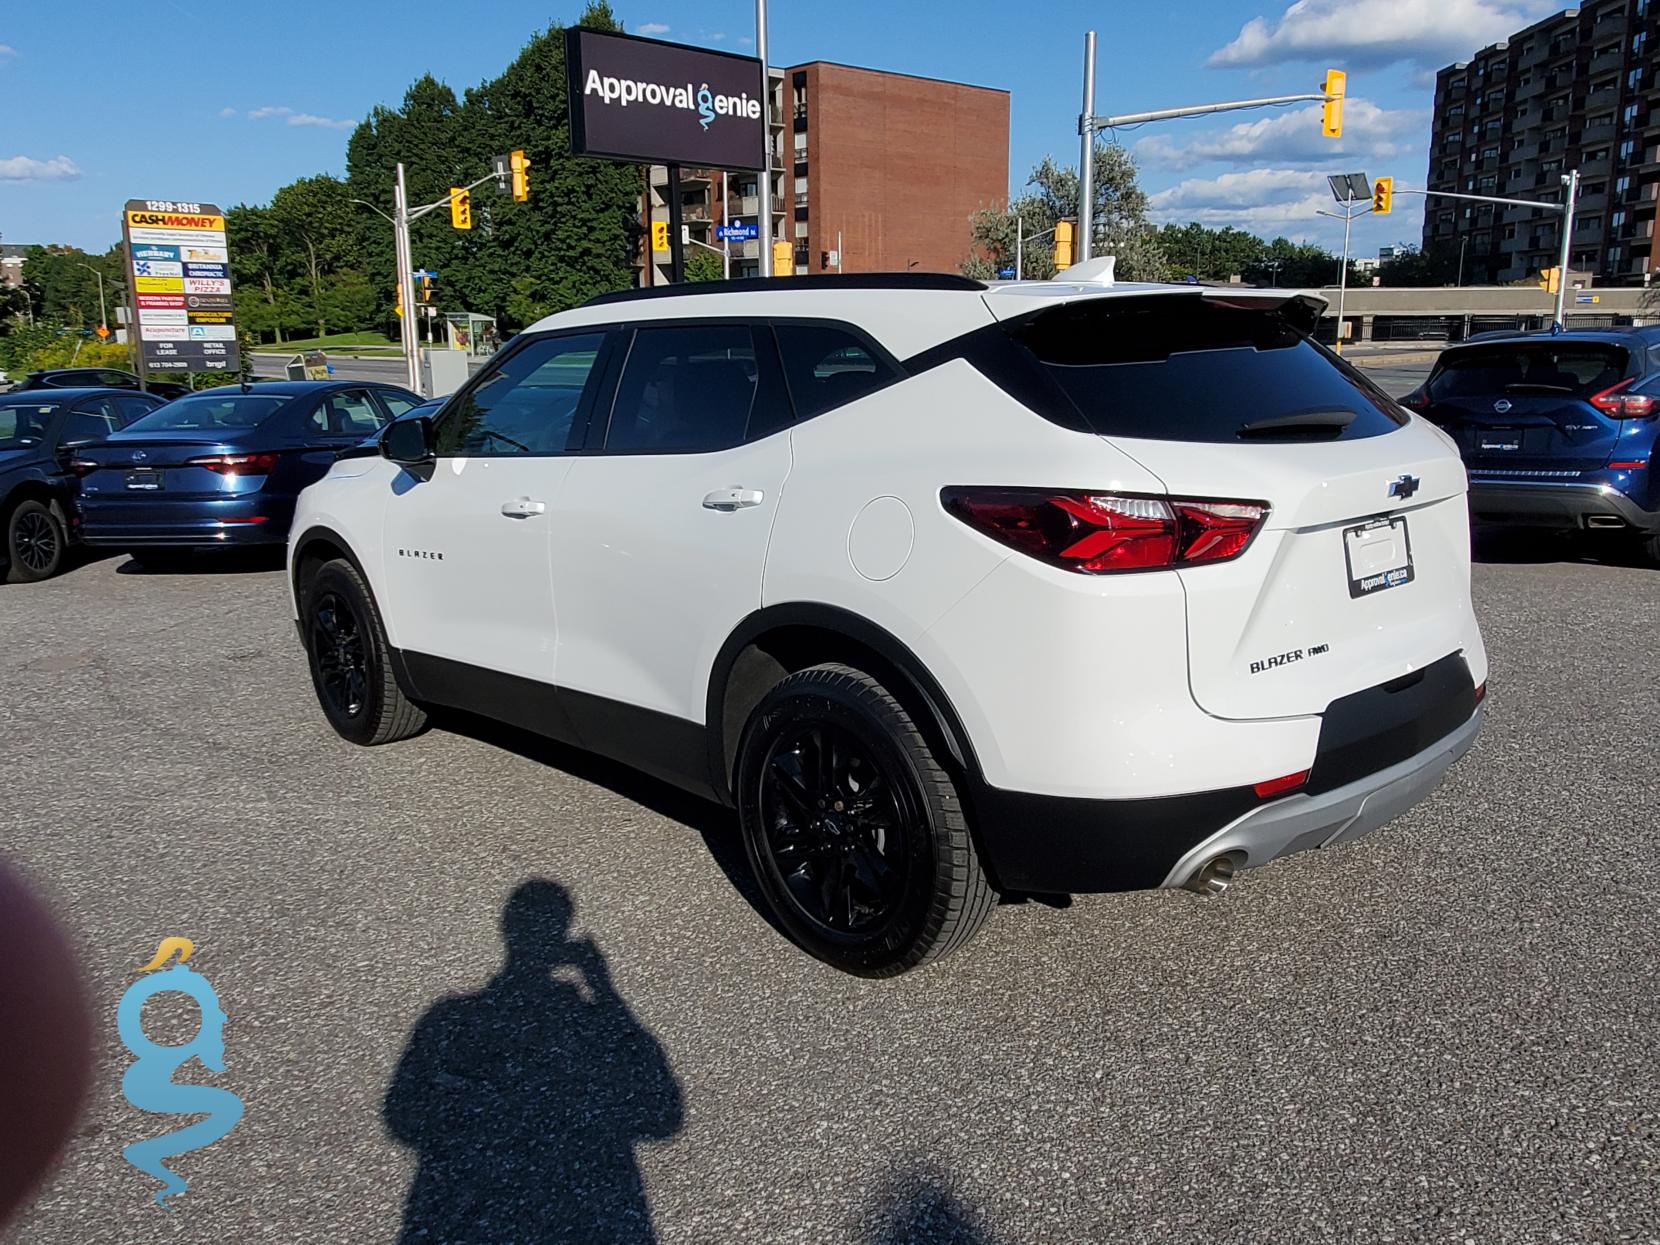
[1570, 196]
[765, 186]
[1348, 216]
[1089, 125]
[406, 284]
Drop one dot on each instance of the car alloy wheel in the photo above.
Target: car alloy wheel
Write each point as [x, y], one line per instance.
[837, 828]
[35, 540]
[337, 646]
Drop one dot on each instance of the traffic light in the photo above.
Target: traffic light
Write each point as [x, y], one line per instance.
[660, 236]
[1550, 280]
[426, 287]
[1383, 195]
[1331, 115]
[783, 259]
[520, 166]
[461, 208]
[1063, 245]
[397, 308]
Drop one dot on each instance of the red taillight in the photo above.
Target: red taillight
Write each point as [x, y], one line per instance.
[1481, 692]
[1620, 405]
[236, 464]
[1099, 533]
[1279, 786]
[1629, 464]
[1417, 400]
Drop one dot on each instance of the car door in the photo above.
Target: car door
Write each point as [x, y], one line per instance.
[662, 529]
[466, 541]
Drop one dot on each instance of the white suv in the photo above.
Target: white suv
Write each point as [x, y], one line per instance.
[952, 590]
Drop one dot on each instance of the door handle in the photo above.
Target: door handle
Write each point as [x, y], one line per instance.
[733, 499]
[523, 508]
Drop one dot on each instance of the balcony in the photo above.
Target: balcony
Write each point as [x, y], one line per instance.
[1534, 88]
[1608, 97]
[1591, 135]
[1608, 62]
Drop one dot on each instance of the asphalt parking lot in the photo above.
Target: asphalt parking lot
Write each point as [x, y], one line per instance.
[1443, 1032]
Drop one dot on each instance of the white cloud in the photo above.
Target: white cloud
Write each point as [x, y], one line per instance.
[717, 36]
[292, 117]
[1379, 32]
[651, 28]
[6, 50]
[327, 123]
[28, 169]
[1293, 137]
[744, 41]
[227, 112]
[1263, 201]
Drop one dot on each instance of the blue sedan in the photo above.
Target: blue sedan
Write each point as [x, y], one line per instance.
[224, 466]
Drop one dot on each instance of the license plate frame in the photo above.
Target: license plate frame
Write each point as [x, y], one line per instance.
[145, 480]
[1499, 442]
[1396, 570]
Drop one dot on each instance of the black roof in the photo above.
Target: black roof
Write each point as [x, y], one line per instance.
[811, 281]
[1644, 334]
[68, 393]
[294, 388]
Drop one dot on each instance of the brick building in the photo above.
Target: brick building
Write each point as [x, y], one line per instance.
[891, 164]
[1576, 90]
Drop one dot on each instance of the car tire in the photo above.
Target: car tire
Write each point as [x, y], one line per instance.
[351, 661]
[855, 832]
[37, 541]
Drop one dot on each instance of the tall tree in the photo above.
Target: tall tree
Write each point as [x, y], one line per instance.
[1120, 224]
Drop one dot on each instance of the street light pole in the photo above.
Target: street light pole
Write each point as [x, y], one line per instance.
[1462, 243]
[1086, 155]
[1019, 246]
[103, 319]
[1348, 217]
[406, 282]
[765, 188]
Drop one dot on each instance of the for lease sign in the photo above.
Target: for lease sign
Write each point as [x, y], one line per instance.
[178, 263]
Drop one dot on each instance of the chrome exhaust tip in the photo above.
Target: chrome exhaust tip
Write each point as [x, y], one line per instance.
[1213, 877]
[1603, 522]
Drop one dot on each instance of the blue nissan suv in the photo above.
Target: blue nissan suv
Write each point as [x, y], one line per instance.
[1557, 430]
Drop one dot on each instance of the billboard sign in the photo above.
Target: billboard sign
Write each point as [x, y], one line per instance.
[649, 102]
[179, 266]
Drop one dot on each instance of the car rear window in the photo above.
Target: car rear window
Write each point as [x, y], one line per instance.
[1176, 368]
[210, 412]
[1576, 369]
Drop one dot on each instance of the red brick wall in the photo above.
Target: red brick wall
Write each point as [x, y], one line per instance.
[897, 164]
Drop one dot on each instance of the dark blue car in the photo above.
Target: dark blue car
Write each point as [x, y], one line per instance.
[1557, 430]
[224, 466]
[40, 432]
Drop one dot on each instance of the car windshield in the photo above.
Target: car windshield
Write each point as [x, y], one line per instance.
[23, 423]
[210, 411]
[1575, 369]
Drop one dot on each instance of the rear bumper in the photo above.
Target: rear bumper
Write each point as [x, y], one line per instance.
[1538, 503]
[1302, 822]
[250, 519]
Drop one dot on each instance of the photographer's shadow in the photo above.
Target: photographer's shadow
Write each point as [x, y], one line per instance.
[524, 1102]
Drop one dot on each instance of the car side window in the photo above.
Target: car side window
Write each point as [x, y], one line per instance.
[828, 366]
[119, 380]
[527, 404]
[396, 404]
[347, 414]
[690, 389]
[91, 420]
[134, 406]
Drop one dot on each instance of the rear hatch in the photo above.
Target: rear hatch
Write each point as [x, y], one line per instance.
[201, 446]
[1361, 572]
[1524, 408]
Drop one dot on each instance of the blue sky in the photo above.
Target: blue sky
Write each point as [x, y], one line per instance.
[170, 100]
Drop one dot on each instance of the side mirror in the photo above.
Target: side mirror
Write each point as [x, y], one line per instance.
[408, 441]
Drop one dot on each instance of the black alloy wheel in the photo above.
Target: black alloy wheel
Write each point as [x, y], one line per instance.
[338, 648]
[35, 542]
[854, 830]
[351, 660]
[838, 828]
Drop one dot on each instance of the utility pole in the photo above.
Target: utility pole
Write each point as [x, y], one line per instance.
[1086, 157]
[103, 318]
[406, 284]
[765, 187]
[1019, 246]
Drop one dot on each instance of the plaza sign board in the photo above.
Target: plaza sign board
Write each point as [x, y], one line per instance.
[650, 102]
[179, 266]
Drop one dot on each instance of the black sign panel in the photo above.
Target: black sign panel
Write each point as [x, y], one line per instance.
[651, 102]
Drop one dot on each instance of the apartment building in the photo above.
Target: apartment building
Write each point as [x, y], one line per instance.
[872, 172]
[1576, 90]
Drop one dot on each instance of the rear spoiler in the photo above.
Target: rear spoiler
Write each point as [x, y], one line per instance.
[1017, 302]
